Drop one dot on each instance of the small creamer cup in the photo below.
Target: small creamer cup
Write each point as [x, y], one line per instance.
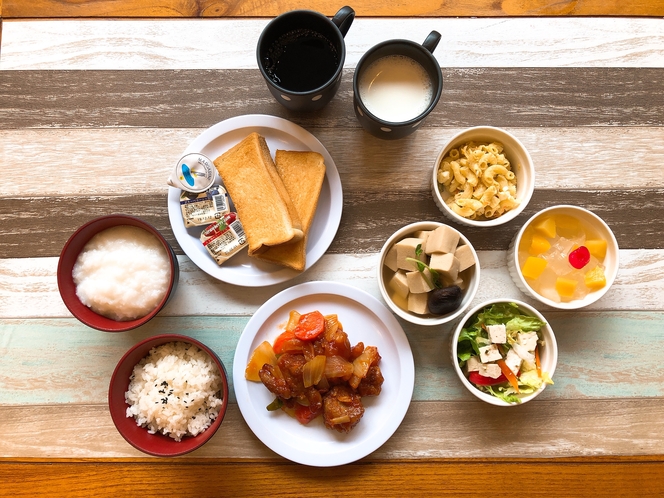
[193, 173]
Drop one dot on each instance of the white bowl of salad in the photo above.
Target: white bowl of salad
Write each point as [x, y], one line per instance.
[504, 352]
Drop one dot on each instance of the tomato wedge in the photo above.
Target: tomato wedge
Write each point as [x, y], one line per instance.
[310, 326]
[481, 380]
[509, 374]
[304, 414]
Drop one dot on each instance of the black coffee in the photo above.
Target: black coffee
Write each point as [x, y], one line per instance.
[301, 60]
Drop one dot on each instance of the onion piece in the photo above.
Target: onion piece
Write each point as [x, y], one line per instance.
[312, 371]
[337, 367]
[293, 320]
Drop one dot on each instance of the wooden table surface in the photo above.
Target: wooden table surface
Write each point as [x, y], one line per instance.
[82, 99]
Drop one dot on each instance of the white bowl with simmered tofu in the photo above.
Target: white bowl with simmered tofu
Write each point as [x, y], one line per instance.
[428, 273]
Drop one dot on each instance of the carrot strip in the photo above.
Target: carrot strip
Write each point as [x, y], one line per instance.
[509, 374]
[537, 363]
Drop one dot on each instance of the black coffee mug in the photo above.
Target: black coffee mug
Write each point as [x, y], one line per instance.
[301, 56]
[396, 85]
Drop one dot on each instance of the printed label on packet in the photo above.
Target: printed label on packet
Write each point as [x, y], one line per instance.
[205, 207]
[225, 238]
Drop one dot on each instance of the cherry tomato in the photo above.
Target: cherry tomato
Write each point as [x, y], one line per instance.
[481, 380]
[310, 326]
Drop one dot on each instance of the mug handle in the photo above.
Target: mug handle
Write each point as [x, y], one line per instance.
[432, 41]
[344, 18]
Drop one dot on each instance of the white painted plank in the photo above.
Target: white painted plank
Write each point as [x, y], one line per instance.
[225, 43]
[68, 158]
[543, 429]
[29, 288]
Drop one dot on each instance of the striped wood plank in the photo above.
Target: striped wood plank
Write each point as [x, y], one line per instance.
[60, 155]
[534, 97]
[601, 356]
[219, 8]
[39, 226]
[29, 287]
[430, 430]
[231, 43]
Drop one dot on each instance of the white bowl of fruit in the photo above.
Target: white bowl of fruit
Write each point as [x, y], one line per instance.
[564, 256]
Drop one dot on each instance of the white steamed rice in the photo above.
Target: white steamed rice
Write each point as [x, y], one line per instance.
[122, 273]
[175, 390]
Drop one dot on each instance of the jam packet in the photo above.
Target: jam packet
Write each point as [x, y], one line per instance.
[204, 207]
[225, 238]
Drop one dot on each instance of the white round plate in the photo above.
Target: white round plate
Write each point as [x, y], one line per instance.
[279, 134]
[364, 319]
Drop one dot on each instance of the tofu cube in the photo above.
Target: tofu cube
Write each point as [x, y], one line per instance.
[490, 370]
[490, 353]
[460, 282]
[442, 239]
[527, 340]
[418, 281]
[391, 258]
[445, 264]
[465, 256]
[399, 284]
[424, 235]
[497, 333]
[473, 364]
[513, 361]
[406, 248]
[417, 303]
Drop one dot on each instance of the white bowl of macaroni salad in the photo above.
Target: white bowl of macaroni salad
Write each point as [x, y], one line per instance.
[483, 177]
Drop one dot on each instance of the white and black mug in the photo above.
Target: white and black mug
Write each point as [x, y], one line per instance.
[301, 55]
[397, 83]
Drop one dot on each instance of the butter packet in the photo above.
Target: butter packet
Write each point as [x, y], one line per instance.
[225, 238]
[205, 207]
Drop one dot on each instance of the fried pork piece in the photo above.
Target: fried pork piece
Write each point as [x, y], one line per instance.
[287, 383]
[342, 409]
[372, 384]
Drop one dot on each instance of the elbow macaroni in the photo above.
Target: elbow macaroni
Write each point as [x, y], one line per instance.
[479, 179]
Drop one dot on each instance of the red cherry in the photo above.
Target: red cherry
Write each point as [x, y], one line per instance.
[579, 258]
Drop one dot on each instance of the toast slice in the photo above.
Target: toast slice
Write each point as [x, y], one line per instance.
[261, 200]
[303, 174]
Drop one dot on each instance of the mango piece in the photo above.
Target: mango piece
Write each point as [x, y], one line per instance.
[546, 227]
[597, 247]
[595, 278]
[533, 267]
[565, 286]
[567, 226]
[539, 245]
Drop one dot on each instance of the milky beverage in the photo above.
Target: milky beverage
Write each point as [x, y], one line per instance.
[395, 88]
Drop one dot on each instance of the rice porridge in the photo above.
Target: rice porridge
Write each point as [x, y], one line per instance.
[122, 273]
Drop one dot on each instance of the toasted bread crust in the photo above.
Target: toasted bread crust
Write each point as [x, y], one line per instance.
[260, 198]
[303, 174]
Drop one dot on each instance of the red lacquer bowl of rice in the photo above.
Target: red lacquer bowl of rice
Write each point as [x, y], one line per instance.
[116, 272]
[174, 401]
